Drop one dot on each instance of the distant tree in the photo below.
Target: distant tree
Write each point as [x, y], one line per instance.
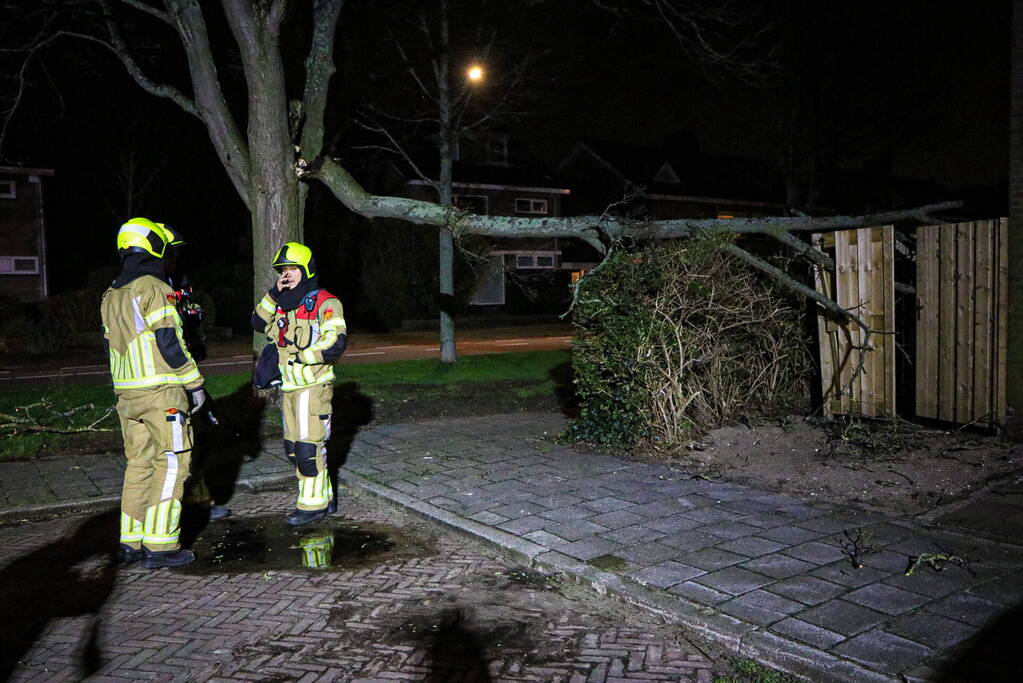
[450, 78]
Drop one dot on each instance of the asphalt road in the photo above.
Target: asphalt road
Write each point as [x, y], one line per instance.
[374, 348]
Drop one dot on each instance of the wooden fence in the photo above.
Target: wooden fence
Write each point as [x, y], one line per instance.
[961, 283]
[855, 382]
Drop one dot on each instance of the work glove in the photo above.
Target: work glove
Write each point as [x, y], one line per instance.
[196, 399]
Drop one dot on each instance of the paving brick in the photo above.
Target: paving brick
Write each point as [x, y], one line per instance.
[665, 574]
[883, 651]
[885, 598]
[936, 632]
[636, 533]
[688, 541]
[589, 548]
[760, 607]
[752, 546]
[699, 593]
[966, 608]
[711, 559]
[617, 520]
[607, 505]
[842, 617]
[816, 552]
[807, 633]
[576, 530]
[807, 589]
[645, 554]
[844, 574]
[733, 580]
[776, 566]
[730, 530]
[789, 535]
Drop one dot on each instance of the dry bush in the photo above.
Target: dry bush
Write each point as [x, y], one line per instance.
[679, 338]
[722, 344]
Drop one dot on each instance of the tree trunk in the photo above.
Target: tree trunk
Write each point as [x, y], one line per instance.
[274, 199]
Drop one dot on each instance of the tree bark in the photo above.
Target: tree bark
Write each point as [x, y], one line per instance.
[272, 185]
[445, 240]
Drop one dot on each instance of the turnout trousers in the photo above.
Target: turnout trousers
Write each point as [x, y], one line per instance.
[307, 414]
[158, 445]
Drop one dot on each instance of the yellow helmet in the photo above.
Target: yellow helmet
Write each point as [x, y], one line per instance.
[142, 234]
[295, 254]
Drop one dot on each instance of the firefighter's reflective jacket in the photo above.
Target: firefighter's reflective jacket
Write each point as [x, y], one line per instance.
[142, 331]
[309, 338]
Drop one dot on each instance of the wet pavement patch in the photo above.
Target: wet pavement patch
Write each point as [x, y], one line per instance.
[266, 542]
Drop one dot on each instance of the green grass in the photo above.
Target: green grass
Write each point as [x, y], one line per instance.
[523, 375]
[748, 671]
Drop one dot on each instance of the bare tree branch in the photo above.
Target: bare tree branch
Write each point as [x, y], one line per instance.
[150, 10]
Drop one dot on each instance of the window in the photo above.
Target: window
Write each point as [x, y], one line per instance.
[8, 189]
[473, 203]
[536, 259]
[526, 205]
[19, 265]
[490, 286]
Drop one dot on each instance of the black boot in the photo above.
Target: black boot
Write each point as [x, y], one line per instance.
[301, 517]
[219, 512]
[128, 555]
[332, 506]
[167, 558]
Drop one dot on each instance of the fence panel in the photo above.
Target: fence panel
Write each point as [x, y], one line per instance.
[962, 279]
[864, 283]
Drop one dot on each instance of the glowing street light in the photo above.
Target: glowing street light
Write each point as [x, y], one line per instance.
[475, 73]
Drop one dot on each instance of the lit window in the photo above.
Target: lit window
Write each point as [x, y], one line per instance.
[526, 205]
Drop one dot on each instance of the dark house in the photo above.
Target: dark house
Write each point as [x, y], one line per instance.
[22, 234]
[674, 181]
[523, 276]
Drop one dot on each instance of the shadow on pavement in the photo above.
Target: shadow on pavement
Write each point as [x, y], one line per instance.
[54, 582]
[351, 409]
[217, 456]
[456, 653]
[994, 654]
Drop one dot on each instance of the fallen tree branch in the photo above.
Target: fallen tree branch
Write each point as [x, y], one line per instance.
[594, 230]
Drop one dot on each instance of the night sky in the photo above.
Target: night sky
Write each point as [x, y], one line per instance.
[923, 85]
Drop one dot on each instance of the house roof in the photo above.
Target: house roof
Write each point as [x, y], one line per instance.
[678, 172]
[25, 170]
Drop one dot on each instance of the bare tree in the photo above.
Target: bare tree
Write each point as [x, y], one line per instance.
[280, 148]
[448, 60]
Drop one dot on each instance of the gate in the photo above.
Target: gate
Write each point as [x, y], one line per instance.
[962, 306]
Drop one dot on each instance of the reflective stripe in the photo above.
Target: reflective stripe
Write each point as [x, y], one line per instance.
[293, 383]
[159, 314]
[131, 529]
[155, 380]
[303, 415]
[140, 322]
[268, 304]
[148, 339]
[177, 437]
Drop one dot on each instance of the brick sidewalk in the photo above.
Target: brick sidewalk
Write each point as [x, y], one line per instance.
[762, 574]
[451, 613]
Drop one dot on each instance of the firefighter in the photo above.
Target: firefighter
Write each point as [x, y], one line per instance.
[158, 387]
[306, 324]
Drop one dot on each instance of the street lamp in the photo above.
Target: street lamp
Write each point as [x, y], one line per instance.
[475, 73]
